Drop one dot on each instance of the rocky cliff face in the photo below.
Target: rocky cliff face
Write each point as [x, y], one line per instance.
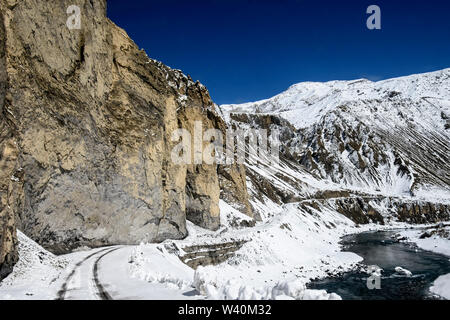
[86, 134]
[8, 162]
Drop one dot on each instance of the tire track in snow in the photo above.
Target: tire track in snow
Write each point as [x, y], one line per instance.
[62, 292]
[102, 293]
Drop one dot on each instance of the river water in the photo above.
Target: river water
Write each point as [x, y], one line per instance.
[383, 250]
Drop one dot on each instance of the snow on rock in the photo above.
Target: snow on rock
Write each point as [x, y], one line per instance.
[441, 286]
[231, 217]
[295, 241]
[287, 249]
[35, 274]
[434, 243]
[403, 271]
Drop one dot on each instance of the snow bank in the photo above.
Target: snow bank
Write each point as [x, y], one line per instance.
[434, 243]
[206, 283]
[441, 286]
[35, 275]
[154, 264]
[403, 271]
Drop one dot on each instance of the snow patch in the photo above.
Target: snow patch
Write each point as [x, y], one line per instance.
[441, 286]
[155, 264]
[403, 271]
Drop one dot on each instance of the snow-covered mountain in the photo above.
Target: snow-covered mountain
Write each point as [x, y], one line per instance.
[305, 103]
[388, 138]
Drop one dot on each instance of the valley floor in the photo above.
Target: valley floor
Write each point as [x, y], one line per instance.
[276, 260]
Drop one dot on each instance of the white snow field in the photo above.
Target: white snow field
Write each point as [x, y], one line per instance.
[284, 253]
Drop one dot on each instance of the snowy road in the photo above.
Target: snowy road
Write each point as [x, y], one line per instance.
[154, 272]
[103, 274]
[83, 281]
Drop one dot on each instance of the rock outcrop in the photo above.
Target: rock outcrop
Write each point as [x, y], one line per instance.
[380, 210]
[8, 163]
[211, 254]
[86, 134]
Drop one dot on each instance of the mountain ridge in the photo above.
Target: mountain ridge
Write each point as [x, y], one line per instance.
[350, 130]
[340, 84]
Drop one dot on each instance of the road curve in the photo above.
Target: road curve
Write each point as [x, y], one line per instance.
[102, 293]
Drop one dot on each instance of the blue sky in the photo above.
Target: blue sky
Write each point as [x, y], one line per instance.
[247, 50]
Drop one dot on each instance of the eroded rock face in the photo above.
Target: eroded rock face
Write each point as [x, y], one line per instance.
[8, 162]
[93, 119]
[380, 210]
